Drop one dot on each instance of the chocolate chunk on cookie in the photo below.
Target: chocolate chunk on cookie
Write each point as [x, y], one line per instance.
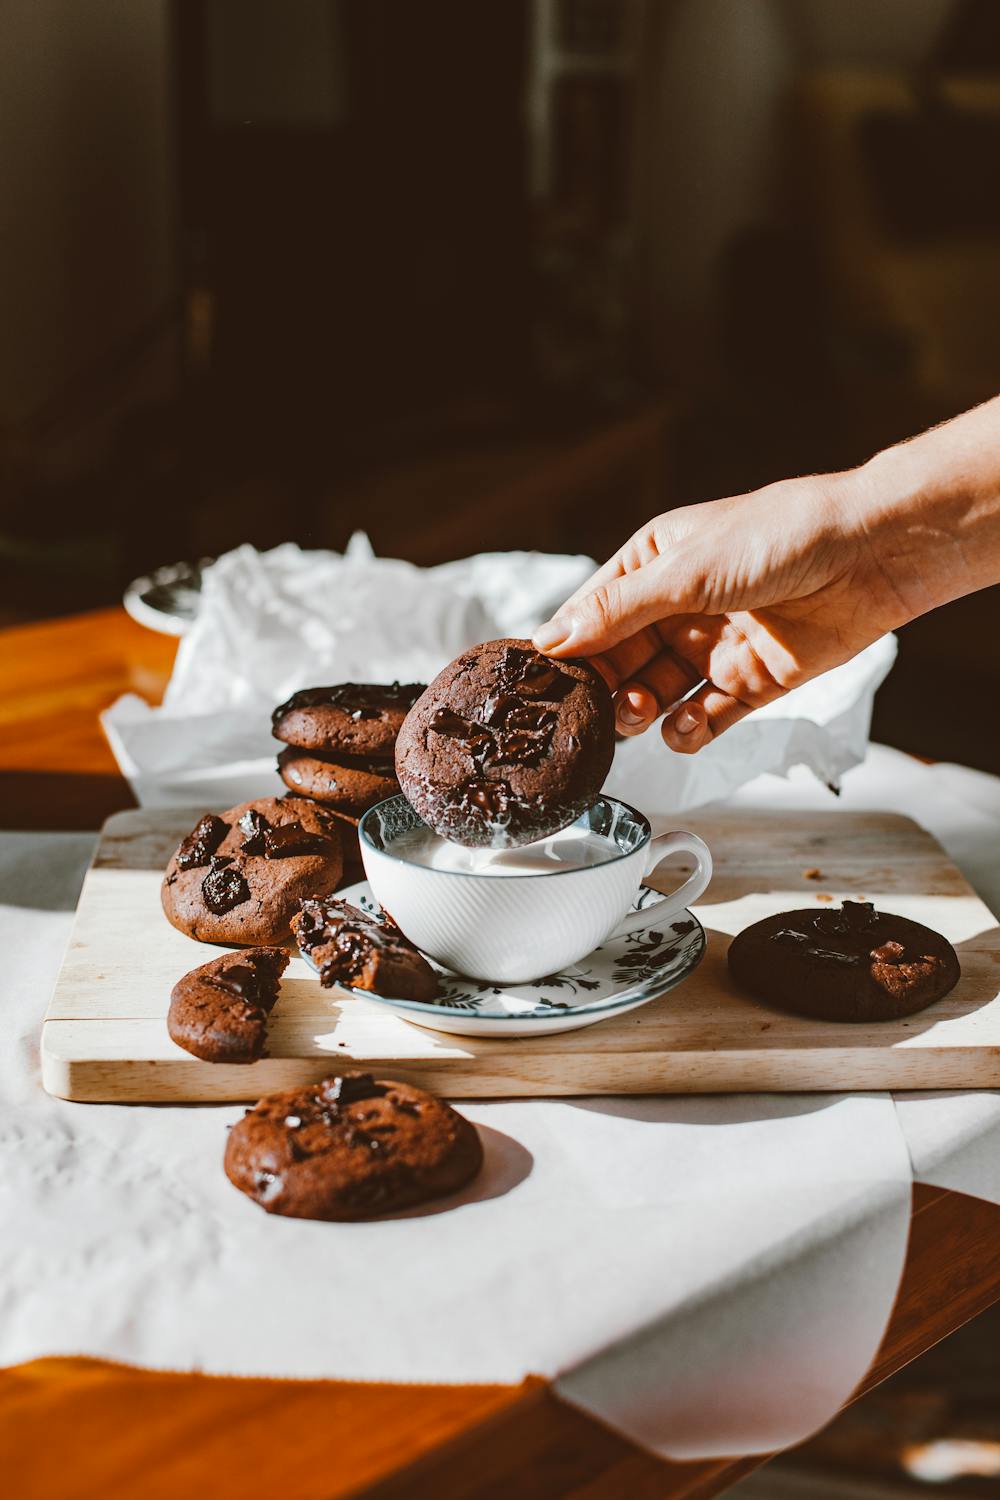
[354, 718]
[350, 785]
[239, 876]
[201, 843]
[855, 964]
[219, 1011]
[350, 1147]
[506, 745]
[347, 946]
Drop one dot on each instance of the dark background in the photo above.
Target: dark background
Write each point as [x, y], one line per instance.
[509, 273]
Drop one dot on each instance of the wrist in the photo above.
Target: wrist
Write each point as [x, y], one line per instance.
[927, 519]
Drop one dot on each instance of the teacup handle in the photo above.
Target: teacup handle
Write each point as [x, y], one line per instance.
[693, 887]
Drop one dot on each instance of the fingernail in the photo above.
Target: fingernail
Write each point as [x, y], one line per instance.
[633, 709]
[548, 637]
[686, 721]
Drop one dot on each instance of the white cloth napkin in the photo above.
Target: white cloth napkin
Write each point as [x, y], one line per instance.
[708, 1275]
[661, 1256]
[275, 621]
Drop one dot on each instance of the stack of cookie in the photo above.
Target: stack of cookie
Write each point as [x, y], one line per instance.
[340, 744]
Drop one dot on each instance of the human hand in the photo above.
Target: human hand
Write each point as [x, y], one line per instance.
[734, 602]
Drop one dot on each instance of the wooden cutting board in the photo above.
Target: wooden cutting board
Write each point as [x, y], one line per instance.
[105, 1035]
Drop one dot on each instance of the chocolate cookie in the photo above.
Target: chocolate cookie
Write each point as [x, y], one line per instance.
[219, 1011]
[354, 718]
[348, 785]
[855, 964]
[239, 876]
[350, 1148]
[348, 946]
[506, 745]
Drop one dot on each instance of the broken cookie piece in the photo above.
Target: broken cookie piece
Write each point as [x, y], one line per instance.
[347, 946]
[219, 1011]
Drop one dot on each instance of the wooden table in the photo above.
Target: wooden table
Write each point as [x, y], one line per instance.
[82, 1428]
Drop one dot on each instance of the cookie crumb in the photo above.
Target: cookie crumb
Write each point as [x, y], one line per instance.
[812, 874]
[823, 896]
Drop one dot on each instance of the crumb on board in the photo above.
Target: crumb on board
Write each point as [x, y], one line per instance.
[812, 873]
[823, 896]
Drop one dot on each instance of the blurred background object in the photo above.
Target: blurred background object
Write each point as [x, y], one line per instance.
[513, 274]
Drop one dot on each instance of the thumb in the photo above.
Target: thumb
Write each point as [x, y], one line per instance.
[620, 607]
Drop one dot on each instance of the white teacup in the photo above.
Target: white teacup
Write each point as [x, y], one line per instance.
[493, 920]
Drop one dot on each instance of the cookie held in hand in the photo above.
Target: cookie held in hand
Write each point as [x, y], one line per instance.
[855, 964]
[506, 746]
[239, 875]
[347, 946]
[350, 1147]
[219, 1011]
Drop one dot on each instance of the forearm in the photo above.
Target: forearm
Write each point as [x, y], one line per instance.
[929, 510]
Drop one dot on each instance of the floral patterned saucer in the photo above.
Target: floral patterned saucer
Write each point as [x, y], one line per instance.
[624, 972]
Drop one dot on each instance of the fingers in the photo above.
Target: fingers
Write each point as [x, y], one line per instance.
[689, 726]
[637, 551]
[627, 659]
[614, 610]
[702, 718]
[613, 568]
[635, 709]
[653, 690]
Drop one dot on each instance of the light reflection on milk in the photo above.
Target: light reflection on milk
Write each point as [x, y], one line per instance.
[572, 849]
